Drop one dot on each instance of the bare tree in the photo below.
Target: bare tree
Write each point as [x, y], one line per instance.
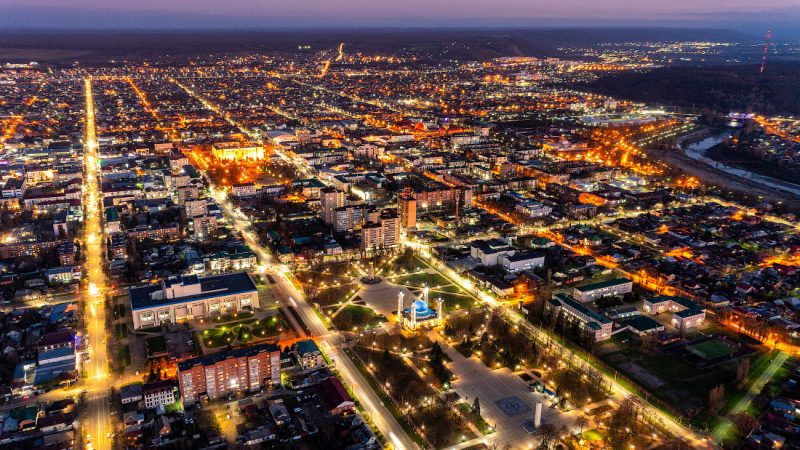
[549, 434]
[716, 399]
[742, 370]
[744, 423]
[581, 423]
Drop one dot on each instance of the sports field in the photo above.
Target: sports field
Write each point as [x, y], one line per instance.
[711, 349]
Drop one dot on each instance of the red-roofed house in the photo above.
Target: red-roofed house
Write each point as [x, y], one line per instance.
[335, 397]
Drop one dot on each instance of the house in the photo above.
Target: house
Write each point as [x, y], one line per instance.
[309, 354]
[158, 393]
[244, 190]
[641, 325]
[163, 426]
[63, 275]
[334, 397]
[190, 297]
[130, 393]
[55, 422]
[219, 374]
[56, 339]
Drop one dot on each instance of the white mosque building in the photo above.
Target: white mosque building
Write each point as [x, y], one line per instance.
[419, 314]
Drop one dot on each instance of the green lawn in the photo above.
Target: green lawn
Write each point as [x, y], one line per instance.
[233, 317]
[334, 295]
[421, 280]
[685, 385]
[452, 302]
[243, 331]
[712, 349]
[270, 326]
[592, 435]
[357, 316]
[476, 419]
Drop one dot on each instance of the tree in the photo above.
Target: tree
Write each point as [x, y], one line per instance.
[716, 399]
[581, 423]
[549, 434]
[744, 423]
[742, 370]
[476, 406]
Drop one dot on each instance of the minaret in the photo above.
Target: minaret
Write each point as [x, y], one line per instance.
[413, 316]
[439, 315]
[400, 307]
[425, 295]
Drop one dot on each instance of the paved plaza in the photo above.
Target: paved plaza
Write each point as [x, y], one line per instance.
[506, 401]
[382, 297]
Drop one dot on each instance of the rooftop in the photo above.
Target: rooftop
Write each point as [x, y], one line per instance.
[603, 284]
[214, 358]
[210, 287]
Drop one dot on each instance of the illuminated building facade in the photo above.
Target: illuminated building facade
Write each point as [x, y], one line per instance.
[419, 314]
[236, 151]
[191, 297]
[408, 210]
[219, 374]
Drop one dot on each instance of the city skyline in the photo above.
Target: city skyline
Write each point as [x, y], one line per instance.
[405, 226]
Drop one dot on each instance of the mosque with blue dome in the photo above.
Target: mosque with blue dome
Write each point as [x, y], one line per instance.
[419, 314]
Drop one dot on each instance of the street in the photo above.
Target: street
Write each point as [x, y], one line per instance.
[98, 425]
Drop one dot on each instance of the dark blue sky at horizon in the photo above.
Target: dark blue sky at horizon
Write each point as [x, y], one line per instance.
[748, 16]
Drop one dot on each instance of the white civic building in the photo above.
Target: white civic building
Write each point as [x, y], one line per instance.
[191, 297]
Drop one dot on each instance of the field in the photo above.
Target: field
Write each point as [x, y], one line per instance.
[354, 316]
[669, 376]
[711, 349]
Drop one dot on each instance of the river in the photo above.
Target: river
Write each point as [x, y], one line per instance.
[697, 151]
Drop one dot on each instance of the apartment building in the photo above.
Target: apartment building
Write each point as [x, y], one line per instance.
[223, 373]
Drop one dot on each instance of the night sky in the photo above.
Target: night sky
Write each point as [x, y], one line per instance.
[755, 14]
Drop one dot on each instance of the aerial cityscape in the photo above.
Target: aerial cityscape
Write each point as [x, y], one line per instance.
[366, 237]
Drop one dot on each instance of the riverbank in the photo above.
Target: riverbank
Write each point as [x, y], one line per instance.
[698, 152]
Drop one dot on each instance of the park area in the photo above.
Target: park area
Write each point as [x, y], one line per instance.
[237, 330]
[389, 363]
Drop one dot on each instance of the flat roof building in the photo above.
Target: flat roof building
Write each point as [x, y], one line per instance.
[593, 291]
[189, 297]
[591, 322]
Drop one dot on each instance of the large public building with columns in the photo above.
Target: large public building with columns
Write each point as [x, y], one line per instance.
[183, 298]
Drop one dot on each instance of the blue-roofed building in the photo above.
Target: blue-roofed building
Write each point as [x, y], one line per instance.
[419, 314]
[58, 364]
[189, 297]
